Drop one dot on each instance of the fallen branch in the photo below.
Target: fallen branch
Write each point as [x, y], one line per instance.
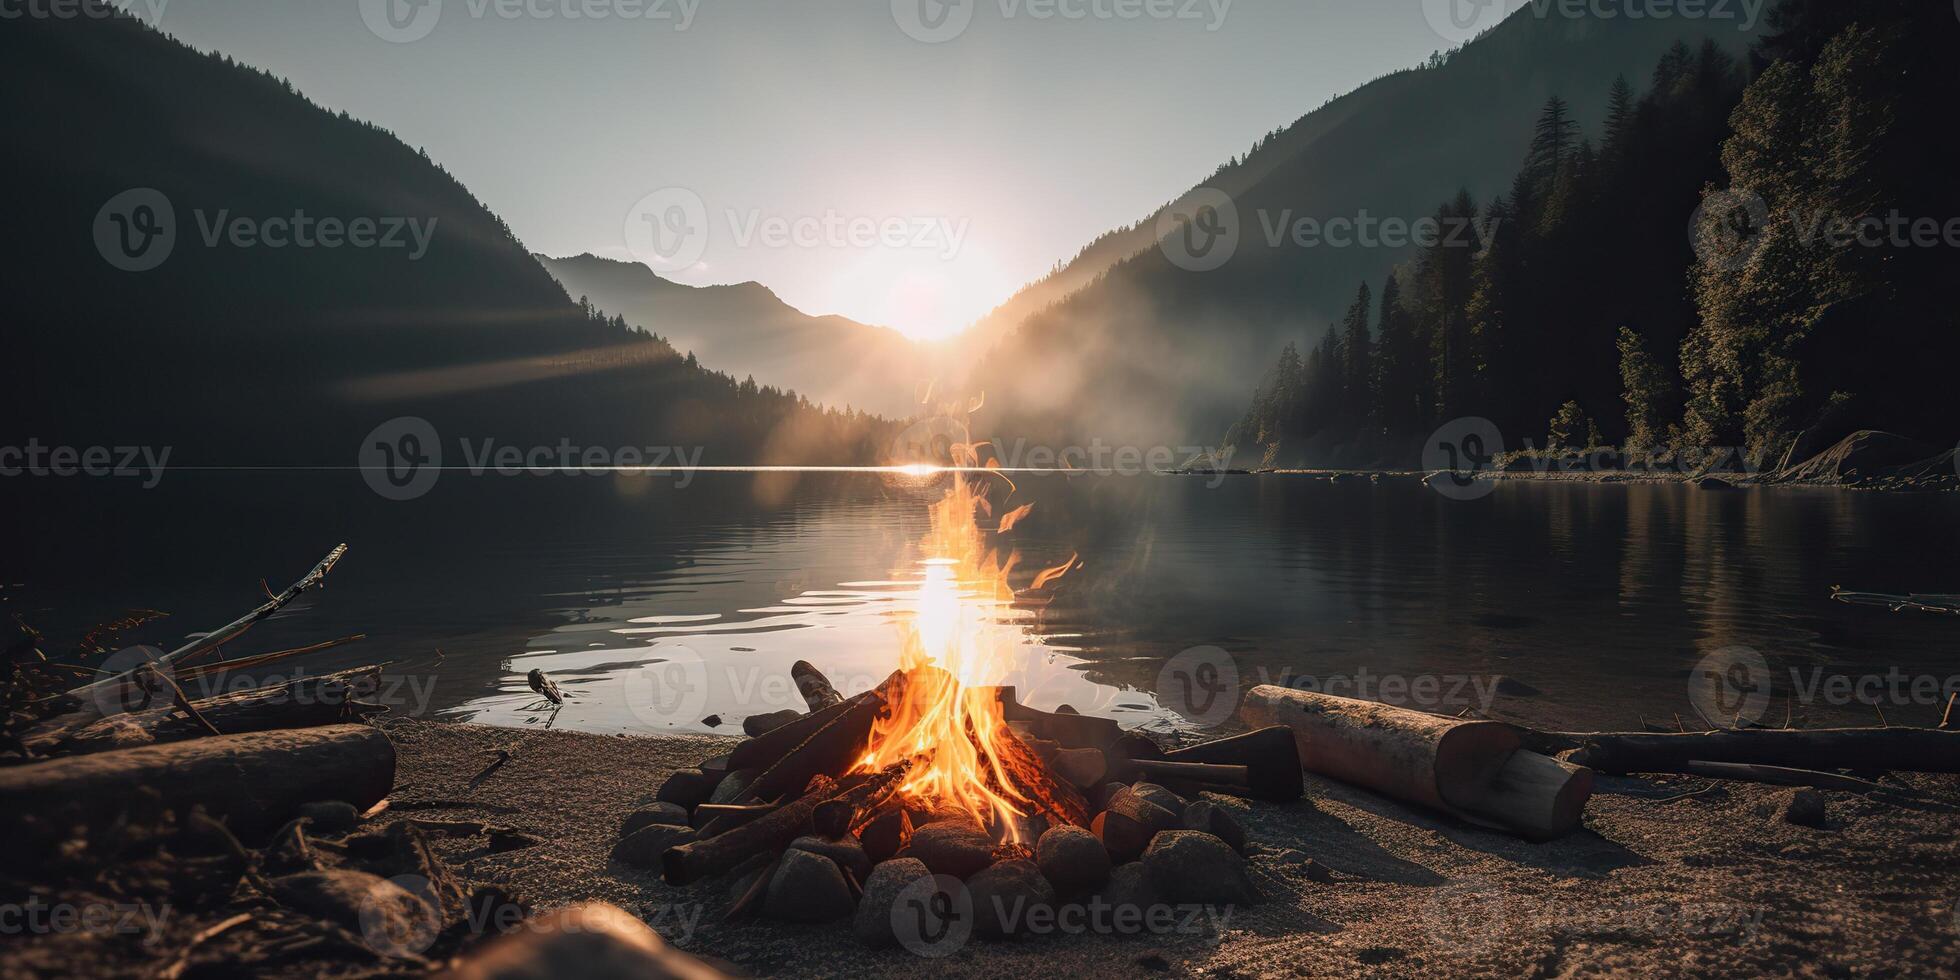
[222, 635]
[1896, 749]
[1781, 776]
[304, 702]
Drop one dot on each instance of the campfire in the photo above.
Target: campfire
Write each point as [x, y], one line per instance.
[939, 770]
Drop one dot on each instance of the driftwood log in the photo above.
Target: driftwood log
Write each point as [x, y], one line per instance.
[304, 702]
[253, 781]
[711, 856]
[1476, 770]
[1897, 749]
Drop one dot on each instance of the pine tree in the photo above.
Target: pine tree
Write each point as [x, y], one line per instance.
[1359, 350]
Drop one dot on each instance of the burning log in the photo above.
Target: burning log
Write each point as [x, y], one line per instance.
[1476, 770]
[711, 856]
[1027, 778]
[815, 687]
[254, 781]
[768, 748]
[829, 750]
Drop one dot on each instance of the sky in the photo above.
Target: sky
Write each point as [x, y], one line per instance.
[902, 162]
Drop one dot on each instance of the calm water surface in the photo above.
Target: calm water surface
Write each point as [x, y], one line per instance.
[1567, 605]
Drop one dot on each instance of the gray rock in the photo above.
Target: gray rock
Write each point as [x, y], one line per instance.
[1217, 821]
[331, 816]
[1802, 807]
[1005, 895]
[345, 897]
[951, 848]
[669, 814]
[1160, 796]
[1121, 836]
[807, 888]
[1125, 900]
[1072, 859]
[733, 786]
[873, 923]
[642, 848]
[1193, 867]
[1161, 813]
[845, 851]
[755, 725]
[688, 787]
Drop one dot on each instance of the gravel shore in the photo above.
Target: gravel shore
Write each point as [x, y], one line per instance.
[1674, 876]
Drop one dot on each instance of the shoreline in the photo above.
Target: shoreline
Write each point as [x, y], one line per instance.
[1673, 875]
[1356, 885]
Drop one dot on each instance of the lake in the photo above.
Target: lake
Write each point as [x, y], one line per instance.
[1567, 605]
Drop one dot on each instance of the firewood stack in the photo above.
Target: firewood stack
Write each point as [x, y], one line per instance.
[802, 833]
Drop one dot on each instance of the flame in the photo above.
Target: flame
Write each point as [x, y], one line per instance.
[948, 720]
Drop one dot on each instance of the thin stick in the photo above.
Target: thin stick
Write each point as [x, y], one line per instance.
[1946, 720]
[183, 960]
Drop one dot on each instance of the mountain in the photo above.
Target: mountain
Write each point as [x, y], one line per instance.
[748, 330]
[200, 257]
[1127, 346]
